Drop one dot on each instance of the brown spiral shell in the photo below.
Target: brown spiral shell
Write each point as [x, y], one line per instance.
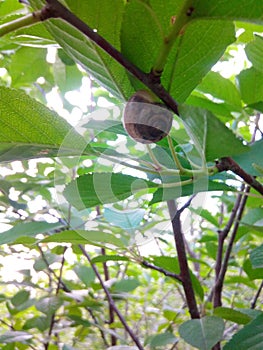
[146, 120]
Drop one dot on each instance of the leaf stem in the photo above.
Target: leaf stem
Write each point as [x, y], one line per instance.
[174, 155]
[18, 23]
[182, 18]
[158, 166]
[176, 184]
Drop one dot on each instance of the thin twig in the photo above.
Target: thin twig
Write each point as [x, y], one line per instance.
[222, 234]
[165, 272]
[53, 320]
[111, 301]
[63, 286]
[228, 163]
[254, 301]
[222, 273]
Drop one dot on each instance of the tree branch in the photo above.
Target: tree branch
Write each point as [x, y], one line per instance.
[222, 234]
[182, 258]
[219, 283]
[228, 163]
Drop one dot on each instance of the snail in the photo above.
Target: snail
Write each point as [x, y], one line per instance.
[145, 119]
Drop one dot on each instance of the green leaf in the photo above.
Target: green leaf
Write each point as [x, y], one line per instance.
[211, 137]
[253, 273]
[31, 130]
[232, 315]
[16, 336]
[27, 229]
[125, 285]
[108, 125]
[7, 8]
[253, 216]
[194, 55]
[67, 77]
[162, 339]
[202, 333]
[102, 188]
[222, 89]
[34, 36]
[78, 320]
[204, 213]
[102, 67]
[256, 257]
[218, 109]
[85, 274]
[144, 29]
[250, 83]
[40, 322]
[241, 10]
[21, 67]
[84, 237]
[171, 264]
[165, 194]
[126, 219]
[251, 159]
[49, 305]
[142, 34]
[254, 51]
[20, 298]
[248, 338]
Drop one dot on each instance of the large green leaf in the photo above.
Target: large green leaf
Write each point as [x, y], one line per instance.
[250, 83]
[85, 274]
[195, 54]
[102, 188]
[254, 51]
[144, 29]
[211, 137]
[49, 305]
[126, 219]
[20, 298]
[27, 229]
[248, 338]
[256, 257]
[21, 70]
[9, 7]
[99, 64]
[15, 336]
[253, 273]
[125, 285]
[241, 10]
[31, 130]
[85, 237]
[222, 90]
[251, 159]
[232, 315]
[202, 333]
[40, 322]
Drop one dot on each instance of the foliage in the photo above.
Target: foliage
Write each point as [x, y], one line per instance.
[111, 244]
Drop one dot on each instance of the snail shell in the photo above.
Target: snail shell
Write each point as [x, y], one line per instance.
[146, 120]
